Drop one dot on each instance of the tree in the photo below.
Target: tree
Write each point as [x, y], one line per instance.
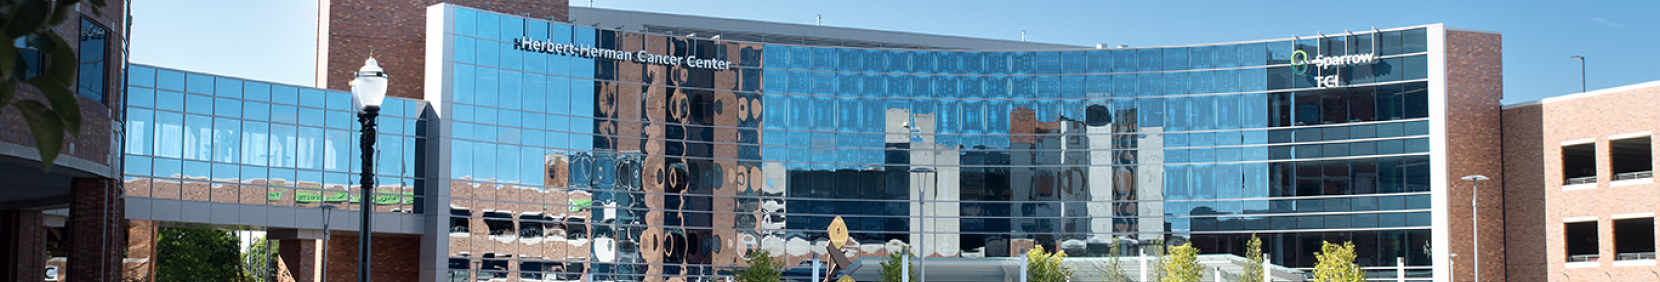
[891, 268]
[256, 259]
[1337, 263]
[30, 23]
[1253, 260]
[1155, 249]
[197, 255]
[1115, 269]
[762, 268]
[1181, 264]
[1044, 266]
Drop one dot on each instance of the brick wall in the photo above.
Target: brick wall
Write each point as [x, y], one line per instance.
[1475, 83]
[141, 249]
[97, 230]
[299, 257]
[1595, 116]
[394, 258]
[24, 233]
[96, 119]
[395, 31]
[1524, 209]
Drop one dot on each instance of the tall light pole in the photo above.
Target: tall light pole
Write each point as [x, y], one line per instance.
[1452, 267]
[1581, 72]
[368, 90]
[325, 270]
[1475, 237]
[922, 196]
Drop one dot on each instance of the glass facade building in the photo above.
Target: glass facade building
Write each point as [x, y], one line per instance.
[568, 151]
[208, 138]
[543, 150]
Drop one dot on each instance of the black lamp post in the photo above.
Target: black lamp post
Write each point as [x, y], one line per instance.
[368, 90]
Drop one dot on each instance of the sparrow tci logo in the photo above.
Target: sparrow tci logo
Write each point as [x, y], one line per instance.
[1301, 63]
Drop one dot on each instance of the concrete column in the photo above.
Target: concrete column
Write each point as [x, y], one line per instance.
[97, 229]
[23, 257]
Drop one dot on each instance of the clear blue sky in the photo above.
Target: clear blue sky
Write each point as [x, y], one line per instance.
[274, 40]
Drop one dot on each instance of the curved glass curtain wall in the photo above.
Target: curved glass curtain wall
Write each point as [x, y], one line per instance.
[656, 170]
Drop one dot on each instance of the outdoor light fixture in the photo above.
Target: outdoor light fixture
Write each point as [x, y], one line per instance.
[1475, 232]
[368, 90]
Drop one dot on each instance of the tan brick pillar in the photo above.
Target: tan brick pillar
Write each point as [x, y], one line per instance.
[23, 255]
[301, 259]
[140, 264]
[97, 230]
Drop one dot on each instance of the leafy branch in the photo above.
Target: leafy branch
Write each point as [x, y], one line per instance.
[28, 25]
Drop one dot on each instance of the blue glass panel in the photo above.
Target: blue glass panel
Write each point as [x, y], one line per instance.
[256, 143]
[485, 86]
[284, 95]
[140, 131]
[1124, 86]
[226, 87]
[141, 76]
[341, 101]
[256, 111]
[510, 95]
[1175, 58]
[141, 97]
[170, 80]
[227, 107]
[200, 84]
[198, 104]
[284, 114]
[312, 117]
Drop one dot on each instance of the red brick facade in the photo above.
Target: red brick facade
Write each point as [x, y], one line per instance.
[1534, 137]
[1475, 83]
[95, 138]
[395, 258]
[97, 230]
[395, 32]
[24, 252]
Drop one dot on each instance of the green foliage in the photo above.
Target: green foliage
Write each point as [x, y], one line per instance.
[1115, 269]
[197, 255]
[1337, 264]
[891, 271]
[1181, 264]
[31, 23]
[1044, 266]
[1253, 260]
[762, 268]
[252, 262]
[1155, 249]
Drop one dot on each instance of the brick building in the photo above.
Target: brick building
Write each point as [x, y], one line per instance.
[1582, 198]
[71, 215]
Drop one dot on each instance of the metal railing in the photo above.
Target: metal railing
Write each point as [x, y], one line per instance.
[1633, 175]
[1635, 256]
[1583, 258]
[1582, 180]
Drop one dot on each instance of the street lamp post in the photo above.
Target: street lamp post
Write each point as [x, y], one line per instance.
[922, 197]
[325, 270]
[368, 90]
[1581, 72]
[1452, 267]
[1475, 240]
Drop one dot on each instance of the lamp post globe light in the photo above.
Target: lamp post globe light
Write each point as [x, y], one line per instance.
[1475, 232]
[368, 90]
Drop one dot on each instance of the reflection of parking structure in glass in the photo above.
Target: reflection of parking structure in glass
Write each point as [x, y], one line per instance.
[647, 170]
